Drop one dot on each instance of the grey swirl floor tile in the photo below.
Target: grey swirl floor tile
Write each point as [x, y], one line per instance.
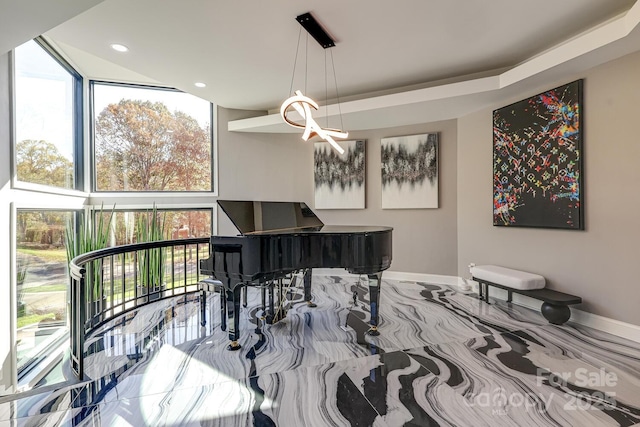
[443, 358]
[531, 384]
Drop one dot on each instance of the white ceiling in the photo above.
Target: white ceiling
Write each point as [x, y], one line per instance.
[395, 61]
[22, 20]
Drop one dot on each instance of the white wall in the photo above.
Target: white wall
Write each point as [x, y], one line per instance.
[254, 166]
[424, 240]
[600, 263]
[279, 167]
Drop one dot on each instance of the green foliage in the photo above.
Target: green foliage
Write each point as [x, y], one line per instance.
[40, 162]
[89, 238]
[177, 224]
[35, 318]
[40, 229]
[46, 255]
[142, 146]
[151, 228]
[22, 264]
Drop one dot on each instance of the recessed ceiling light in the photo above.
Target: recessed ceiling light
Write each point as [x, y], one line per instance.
[200, 84]
[119, 47]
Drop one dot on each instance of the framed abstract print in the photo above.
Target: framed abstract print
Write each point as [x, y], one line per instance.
[537, 160]
[339, 179]
[410, 171]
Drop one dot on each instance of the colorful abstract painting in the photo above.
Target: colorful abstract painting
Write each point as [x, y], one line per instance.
[339, 178]
[537, 160]
[410, 171]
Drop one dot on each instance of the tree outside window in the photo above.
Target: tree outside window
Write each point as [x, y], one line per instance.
[149, 142]
[45, 116]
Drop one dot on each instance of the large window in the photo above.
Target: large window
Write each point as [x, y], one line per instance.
[47, 117]
[42, 274]
[150, 139]
[41, 283]
[144, 139]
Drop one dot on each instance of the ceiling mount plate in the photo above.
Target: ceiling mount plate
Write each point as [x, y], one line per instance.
[314, 28]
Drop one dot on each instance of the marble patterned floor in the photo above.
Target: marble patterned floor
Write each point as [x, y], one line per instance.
[443, 359]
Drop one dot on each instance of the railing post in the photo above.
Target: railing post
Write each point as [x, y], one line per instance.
[78, 318]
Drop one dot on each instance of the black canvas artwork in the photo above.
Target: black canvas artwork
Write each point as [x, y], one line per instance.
[537, 160]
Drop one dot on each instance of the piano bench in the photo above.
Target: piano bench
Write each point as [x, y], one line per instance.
[213, 285]
[210, 285]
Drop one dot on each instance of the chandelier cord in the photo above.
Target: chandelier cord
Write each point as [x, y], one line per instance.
[306, 62]
[295, 62]
[326, 90]
[335, 80]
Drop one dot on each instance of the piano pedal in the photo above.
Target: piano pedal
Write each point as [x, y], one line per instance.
[234, 346]
[268, 319]
[373, 331]
[271, 319]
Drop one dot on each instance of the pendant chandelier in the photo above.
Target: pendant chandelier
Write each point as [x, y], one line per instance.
[303, 104]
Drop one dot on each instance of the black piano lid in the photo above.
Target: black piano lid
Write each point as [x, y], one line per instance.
[257, 216]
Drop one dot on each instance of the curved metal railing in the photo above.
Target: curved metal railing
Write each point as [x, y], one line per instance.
[110, 282]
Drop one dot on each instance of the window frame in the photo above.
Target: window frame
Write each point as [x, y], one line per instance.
[213, 132]
[77, 126]
[82, 200]
[34, 370]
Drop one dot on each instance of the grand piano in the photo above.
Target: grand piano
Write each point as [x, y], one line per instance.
[279, 239]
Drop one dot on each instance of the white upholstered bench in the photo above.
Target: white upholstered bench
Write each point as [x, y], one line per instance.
[555, 306]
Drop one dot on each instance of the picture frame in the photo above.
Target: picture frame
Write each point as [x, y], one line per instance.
[339, 179]
[409, 171]
[538, 160]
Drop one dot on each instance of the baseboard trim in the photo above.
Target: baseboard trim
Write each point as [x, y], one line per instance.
[606, 324]
[595, 321]
[395, 275]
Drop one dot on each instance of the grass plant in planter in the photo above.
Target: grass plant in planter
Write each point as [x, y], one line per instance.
[90, 238]
[150, 227]
[22, 264]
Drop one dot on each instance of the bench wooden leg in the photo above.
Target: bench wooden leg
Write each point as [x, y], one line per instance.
[556, 314]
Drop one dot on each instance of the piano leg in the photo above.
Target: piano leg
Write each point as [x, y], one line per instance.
[244, 296]
[233, 314]
[223, 310]
[271, 300]
[203, 308]
[307, 287]
[374, 300]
